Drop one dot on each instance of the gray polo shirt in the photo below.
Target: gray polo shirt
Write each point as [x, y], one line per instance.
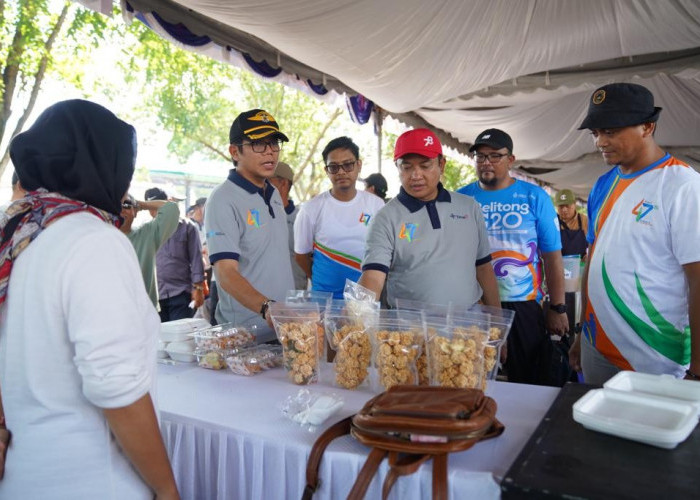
[429, 250]
[248, 224]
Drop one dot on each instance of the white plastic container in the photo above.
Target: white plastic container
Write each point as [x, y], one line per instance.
[181, 351]
[657, 385]
[180, 329]
[649, 419]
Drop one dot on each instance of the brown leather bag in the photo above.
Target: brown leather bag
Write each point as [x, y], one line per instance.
[411, 424]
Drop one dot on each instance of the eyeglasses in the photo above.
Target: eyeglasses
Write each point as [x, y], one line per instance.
[261, 146]
[492, 157]
[126, 204]
[334, 168]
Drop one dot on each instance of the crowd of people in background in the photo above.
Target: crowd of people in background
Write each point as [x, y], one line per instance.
[82, 300]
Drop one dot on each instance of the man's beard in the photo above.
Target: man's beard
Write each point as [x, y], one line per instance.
[488, 182]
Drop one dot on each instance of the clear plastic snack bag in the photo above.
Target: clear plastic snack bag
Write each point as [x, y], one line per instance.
[299, 330]
[456, 354]
[349, 337]
[360, 301]
[311, 408]
[398, 338]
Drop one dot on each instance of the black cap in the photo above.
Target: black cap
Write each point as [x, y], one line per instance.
[254, 125]
[155, 194]
[378, 182]
[620, 105]
[494, 138]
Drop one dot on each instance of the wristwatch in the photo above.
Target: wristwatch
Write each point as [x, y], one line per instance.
[265, 307]
[560, 308]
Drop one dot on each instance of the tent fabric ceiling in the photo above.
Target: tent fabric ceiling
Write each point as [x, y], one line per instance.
[460, 66]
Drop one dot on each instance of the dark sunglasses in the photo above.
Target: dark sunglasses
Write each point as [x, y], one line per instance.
[334, 168]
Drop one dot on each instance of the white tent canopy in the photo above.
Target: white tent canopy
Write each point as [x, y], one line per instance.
[460, 66]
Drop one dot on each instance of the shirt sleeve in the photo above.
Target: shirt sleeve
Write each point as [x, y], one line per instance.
[483, 251]
[304, 229]
[548, 233]
[194, 251]
[110, 320]
[381, 240]
[165, 223]
[224, 229]
[683, 213]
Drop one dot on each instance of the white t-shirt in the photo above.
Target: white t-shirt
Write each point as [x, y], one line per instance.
[335, 231]
[77, 334]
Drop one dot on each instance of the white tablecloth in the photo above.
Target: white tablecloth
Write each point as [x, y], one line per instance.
[227, 439]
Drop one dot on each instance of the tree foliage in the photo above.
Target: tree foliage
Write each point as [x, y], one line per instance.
[38, 38]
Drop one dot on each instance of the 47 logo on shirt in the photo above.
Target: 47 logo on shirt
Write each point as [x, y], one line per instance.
[641, 210]
[364, 218]
[408, 231]
[254, 217]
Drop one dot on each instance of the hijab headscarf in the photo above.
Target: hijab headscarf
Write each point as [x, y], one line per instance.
[78, 156]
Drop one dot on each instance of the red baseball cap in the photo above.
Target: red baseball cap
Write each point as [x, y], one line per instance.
[420, 141]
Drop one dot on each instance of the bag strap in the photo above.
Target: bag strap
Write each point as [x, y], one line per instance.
[336, 430]
[440, 476]
[401, 464]
[369, 469]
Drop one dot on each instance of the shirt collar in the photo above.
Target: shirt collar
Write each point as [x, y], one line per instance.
[414, 204]
[290, 206]
[242, 182]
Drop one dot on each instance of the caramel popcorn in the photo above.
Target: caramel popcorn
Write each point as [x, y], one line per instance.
[396, 357]
[353, 355]
[457, 362]
[300, 344]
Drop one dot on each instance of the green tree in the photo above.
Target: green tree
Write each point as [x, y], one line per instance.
[457, 174]
[38, 39]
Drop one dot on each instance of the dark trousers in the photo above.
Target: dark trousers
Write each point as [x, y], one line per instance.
[213, 302]
[176, 307]
[529, 346]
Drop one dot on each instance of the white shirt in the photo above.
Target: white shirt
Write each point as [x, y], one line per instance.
[77, 334]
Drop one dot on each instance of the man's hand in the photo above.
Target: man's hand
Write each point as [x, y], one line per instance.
[5, 436]
[198, 297]
[557, 323]
[575, 354]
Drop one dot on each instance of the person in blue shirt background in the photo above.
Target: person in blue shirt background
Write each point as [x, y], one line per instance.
[524, 236]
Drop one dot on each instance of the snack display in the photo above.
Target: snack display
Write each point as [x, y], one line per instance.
[399, 336]
[298, 328]
[255, 360]
[353, 355]
[497, 323]
[224, 336]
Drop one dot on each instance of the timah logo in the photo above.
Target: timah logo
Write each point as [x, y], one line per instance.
[642, 209]
[408, 231]
[254, 217]
[364, 218]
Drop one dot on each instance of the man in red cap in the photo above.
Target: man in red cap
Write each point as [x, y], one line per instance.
[428, 244]
[641, 284]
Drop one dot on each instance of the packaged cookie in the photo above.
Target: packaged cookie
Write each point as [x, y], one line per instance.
[349, 338]
[213, 359]
[497, 323]
[255, 360]
[456, 354]
[299, 330]
[225, 336]
[398, 339]
[313, 297]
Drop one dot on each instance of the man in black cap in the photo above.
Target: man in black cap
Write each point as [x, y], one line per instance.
[247, 227]
[641, 284]
[524, 234]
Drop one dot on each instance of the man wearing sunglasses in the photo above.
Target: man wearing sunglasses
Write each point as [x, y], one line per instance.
[247, 227]
[524, 233]
[330, 230]
[428, 244]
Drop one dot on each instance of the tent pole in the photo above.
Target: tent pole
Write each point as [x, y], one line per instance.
[378, 118]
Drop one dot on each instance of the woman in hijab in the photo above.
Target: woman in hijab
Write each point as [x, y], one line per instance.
[77, 330]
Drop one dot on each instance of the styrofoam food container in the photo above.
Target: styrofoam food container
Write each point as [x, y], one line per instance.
[182, 351]
[649, 419]
[161, 352]
[657, 385]
[180, 329]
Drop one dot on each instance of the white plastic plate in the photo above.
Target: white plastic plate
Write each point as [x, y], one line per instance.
[657, 385]
[649, 419]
